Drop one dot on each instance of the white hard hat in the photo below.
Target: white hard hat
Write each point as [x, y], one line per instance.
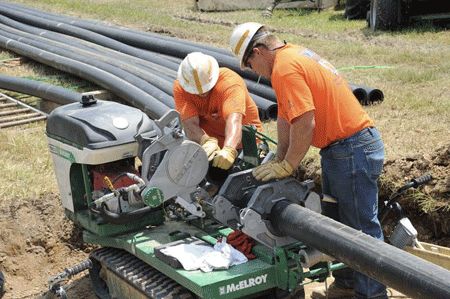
[240, 39]
[198, 73]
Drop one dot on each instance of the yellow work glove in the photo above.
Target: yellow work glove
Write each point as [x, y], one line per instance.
[225, 157]
[211, 146]
[277, 170]
[266, 164]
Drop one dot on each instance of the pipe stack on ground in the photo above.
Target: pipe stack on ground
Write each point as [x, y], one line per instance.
[137, 66]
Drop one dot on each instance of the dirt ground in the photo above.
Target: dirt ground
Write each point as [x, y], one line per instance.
[38, 242]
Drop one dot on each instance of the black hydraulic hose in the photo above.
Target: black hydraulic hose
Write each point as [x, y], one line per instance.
[41, 90]
[67, 51]
[123, 89]
[387, 264]
[122, 218]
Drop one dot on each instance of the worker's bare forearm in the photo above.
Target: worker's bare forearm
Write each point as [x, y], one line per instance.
[300, 137]
[193, 130]
[233, 130]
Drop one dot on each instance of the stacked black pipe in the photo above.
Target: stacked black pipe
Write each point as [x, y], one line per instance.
[137, 66]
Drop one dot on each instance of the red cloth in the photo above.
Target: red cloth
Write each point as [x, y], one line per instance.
[242, 242]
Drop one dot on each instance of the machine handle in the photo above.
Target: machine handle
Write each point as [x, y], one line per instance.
[422, 180]
[392, 203]
[416, 182]
[79, 267]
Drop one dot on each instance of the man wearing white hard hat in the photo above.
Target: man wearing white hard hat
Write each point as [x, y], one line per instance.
[214, 103]
[316, 107]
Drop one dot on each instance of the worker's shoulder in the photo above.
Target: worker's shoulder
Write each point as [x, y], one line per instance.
[229, 76]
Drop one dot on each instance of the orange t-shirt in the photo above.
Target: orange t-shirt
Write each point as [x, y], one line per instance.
[304, 82]
[229, 95]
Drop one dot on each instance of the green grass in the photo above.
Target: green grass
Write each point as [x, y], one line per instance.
[26, 167]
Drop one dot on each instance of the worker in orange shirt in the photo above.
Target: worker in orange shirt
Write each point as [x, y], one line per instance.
[214, 103]
[316, 107]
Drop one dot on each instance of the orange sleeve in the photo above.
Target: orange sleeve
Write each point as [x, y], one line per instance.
[234, 97]
[183, 104]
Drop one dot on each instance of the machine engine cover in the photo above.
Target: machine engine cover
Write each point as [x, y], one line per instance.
[100, 125]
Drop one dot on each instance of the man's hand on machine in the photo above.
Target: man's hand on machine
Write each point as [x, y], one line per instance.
[273, 170]
[211, 146]
[225, 157]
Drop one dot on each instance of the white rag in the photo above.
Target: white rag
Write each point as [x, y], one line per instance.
[206, 258]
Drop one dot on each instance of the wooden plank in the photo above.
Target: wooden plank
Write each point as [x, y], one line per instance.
[433, 253]
[10, 112]
[18, 117]
[21, 122]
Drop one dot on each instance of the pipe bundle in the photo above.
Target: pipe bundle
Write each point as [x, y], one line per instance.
[137, 66]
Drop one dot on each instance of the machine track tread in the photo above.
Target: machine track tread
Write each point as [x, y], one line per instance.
[136, 273]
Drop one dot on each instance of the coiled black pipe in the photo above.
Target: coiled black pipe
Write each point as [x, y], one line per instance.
[387, 264]
[91, 25]
[269, 110]
[143, 41]
[83, 34]
[138, 39]
[124, 89]
[66, 51]
[49, 92]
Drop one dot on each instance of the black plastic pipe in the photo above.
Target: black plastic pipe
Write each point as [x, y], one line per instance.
[78, 44]
[268, 110]
[372, 95]
[360, 93]
[41, 90]
[66, 51]
[83, 34]
[387, 264]
[261, 90]
[135, 37]
[105, 36]
[123, 89]
[91, 25]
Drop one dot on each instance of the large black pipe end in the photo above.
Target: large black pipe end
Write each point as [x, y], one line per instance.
[361, 95]
[375, 95]
[272, 112]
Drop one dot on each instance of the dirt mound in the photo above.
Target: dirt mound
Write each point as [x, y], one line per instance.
[37, 242]
[428, 207]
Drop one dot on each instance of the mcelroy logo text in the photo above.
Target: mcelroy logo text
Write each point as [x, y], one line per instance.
[243, 284]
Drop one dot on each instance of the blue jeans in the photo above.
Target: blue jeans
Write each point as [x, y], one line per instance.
[350, 169]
